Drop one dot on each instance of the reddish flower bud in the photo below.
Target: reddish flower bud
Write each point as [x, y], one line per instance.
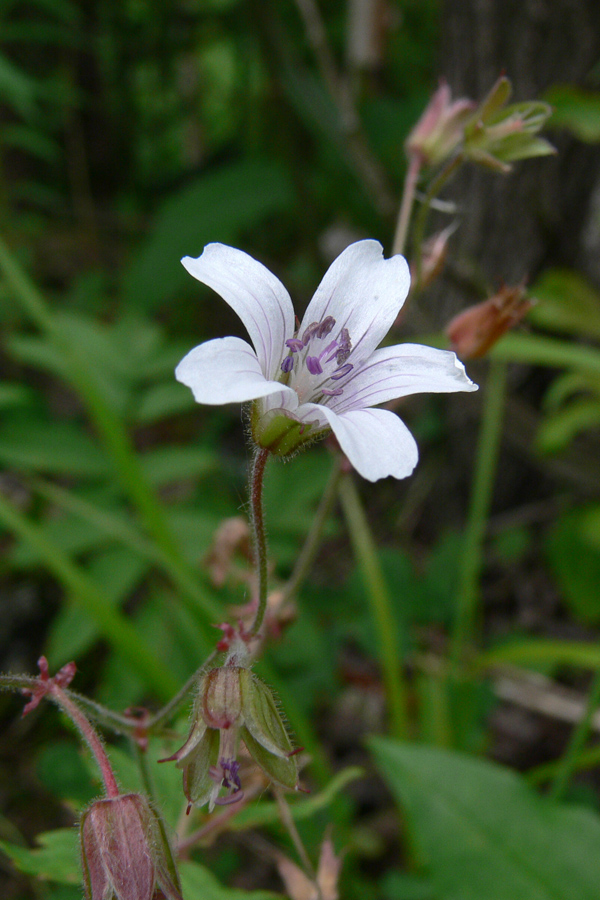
[440, 129]
[125, 853]
[476, 329]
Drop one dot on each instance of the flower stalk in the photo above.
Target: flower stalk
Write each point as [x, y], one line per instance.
[257, 522]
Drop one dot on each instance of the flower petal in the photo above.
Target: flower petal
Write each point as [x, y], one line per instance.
[376, 442]
[364, 293]
[254, 293]
[225, 370]
[399, 371]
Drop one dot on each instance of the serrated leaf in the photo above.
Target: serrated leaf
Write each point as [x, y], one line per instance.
[56, 858]
[117, 571]
[483, 832]
[218, 205]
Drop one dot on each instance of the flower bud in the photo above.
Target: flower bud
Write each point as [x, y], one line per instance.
[233, 704]
[440, 129]
[476, 329]
[125, 853]
[497, 134]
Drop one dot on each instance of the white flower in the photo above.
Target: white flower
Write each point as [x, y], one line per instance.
[326, 374]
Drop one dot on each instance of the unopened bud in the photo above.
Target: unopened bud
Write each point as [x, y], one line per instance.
[440, 129]
[475, 330]
[433, 257]
[125, 853]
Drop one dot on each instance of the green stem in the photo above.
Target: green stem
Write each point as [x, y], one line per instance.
[406, 205]
[483, 483]
[257, 522]
[366, 555]
[313, 538]
[568, 763]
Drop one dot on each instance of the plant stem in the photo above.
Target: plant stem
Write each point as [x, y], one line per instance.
[421, 220]
[257, 522]
[406, 205]
[365, 552]
[91, 738]
[483, 482]
[311, 544]
[568, 763]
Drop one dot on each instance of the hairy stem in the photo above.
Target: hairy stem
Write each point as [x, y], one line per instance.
[91, 738]
[257, 523]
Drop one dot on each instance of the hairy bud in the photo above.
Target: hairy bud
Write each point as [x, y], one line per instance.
[125, 853]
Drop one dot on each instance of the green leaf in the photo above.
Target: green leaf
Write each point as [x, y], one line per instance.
[200, 884]
[164, 465]
[219, 205]
[117, 571]
[577, 110]
[558, 429]
[56, 858]
[161, 401]
[566, 303]
[575, 562]
[59, 448]
[537, 349]
[483, 832]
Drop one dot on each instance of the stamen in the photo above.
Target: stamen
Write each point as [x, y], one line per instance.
[295, 344]
[288, 364]
[310, 331]
[336, 393]
[344, 370]
[345, 347]
[313, 365]
[325, 327]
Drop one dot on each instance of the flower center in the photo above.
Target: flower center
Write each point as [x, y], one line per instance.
[311, 356]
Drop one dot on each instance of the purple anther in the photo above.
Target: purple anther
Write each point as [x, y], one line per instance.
[342, 371]
[231, 779]
[313, 365]
[345, 346]
[325, 327]
[336, 393]
[295, 344]
[309, 333]
[288, 364]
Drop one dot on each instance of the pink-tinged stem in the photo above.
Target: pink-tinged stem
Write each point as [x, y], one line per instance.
[257, 476]
[408, 196]
[91, 738]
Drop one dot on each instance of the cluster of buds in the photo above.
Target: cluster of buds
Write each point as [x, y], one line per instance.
[490, 133]
[125, 853]
[232, 704]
